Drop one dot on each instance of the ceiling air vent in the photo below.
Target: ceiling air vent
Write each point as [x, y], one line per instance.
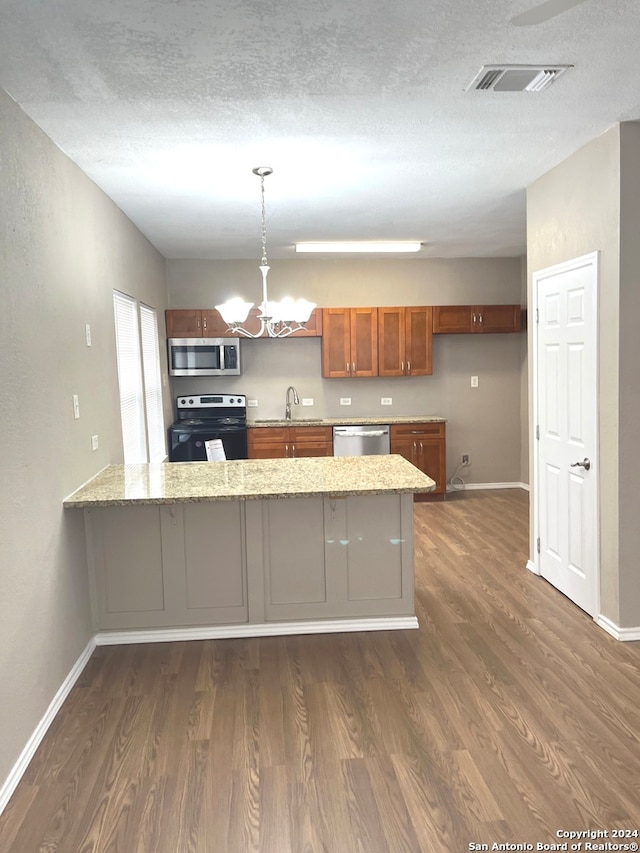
[516, 78]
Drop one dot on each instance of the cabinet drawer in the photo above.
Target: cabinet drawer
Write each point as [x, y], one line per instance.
[426, 430]
[267, 435]
[300, 434]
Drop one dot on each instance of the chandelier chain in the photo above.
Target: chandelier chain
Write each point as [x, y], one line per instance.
[264, 224]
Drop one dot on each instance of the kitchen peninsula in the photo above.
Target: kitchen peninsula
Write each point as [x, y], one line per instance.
[251, 547]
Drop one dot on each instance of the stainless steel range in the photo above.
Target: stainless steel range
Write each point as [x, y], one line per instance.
[201, 417]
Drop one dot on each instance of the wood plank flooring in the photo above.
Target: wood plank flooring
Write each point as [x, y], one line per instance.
[509, 715]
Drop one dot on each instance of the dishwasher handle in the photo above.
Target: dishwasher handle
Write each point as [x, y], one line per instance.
[358, 433]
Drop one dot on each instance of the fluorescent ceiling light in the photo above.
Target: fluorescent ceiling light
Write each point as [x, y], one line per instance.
[365, 246]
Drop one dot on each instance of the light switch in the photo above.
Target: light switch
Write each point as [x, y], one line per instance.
[307, 401]
[76, 407]
[345, 401]
[94, 442]
[87, 334]
[474, 381]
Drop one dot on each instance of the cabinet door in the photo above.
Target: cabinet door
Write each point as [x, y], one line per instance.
[267, 442]
[336, 342]
[364, 341]
[404, 446]
[311, 441]
[499, 318]
[431, 461]
[391, 342]
[184, 323]
[418, 341]
[452, 319]
[424, 445]
[213, 326]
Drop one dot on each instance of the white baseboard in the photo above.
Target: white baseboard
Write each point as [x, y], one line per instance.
[625, 634]
[531, 566]
[472, 486]
[11, 782]
[263, 629]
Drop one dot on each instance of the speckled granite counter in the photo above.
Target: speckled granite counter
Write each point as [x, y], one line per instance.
[344, 421]
[249, 479]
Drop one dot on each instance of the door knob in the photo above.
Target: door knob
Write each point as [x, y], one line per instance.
[586, 464]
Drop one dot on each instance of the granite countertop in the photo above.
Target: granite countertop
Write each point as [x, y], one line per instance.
[346, 421]
[249, 479]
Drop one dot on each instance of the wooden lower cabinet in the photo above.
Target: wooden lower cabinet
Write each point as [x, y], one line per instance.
[424, 445]
[288, 442]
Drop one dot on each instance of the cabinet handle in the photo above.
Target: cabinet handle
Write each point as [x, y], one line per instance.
[347, 369]
[353, 367]
[480, 319]
[197, 322]
[421, 446]
[286, 450]
[293, 450]
[204, 322]
[474, 319]
[408, 367]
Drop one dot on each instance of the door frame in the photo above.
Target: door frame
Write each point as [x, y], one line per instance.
[592, 259]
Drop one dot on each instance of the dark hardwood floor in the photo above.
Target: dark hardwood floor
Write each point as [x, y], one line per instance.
[507, 717]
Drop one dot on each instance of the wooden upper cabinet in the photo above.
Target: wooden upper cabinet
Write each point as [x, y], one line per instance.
[500, 318]
[195, 323]
[349, 342]
[405, 341]
[476, 319]
[207, 323]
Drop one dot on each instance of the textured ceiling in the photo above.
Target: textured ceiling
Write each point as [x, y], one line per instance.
[358, 105]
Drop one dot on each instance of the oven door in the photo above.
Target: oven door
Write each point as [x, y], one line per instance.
[187, 443]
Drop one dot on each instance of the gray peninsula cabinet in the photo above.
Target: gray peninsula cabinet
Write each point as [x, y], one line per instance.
[272, 557]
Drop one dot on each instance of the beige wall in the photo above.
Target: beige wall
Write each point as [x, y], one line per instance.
[575, 209]
[484, 422]
[629, 376]
[63, 248]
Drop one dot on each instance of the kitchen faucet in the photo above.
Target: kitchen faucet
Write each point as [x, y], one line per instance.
[296, 400]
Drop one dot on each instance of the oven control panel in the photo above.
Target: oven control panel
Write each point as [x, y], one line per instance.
[212, 401]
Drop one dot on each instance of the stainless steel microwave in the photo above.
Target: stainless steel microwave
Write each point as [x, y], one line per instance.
[204, 356]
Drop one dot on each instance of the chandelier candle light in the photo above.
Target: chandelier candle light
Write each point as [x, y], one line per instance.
[277, 319]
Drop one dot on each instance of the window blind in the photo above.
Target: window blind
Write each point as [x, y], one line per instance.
[129, 378]
[152, 383]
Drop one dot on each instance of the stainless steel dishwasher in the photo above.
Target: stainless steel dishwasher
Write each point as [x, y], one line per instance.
[361, 440]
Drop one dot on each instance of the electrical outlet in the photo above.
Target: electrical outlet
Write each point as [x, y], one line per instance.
[386, 401]
[465, 459]
[252, 404]
[94, 442]
[345, 401]
[76, 407]
[307, 401]
[474, 381]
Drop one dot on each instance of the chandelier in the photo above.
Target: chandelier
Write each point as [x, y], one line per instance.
[277, 319]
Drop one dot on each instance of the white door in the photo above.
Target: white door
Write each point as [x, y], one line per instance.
[566, 517]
